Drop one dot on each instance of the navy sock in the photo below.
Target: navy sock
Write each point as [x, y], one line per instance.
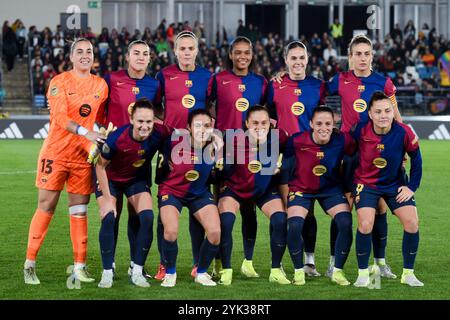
[170, 253]
[144, 236]
[197, 236]
[379, 236]
[309, 233]
[226, 238]
[132, 232]
[295, 241]
[409, 248]
[344, 238]
[249, 229]
[119, 206]
[207, 253]
[278, 221]
[363, 247]
[159, 238]
[106, 239]
[333, 237]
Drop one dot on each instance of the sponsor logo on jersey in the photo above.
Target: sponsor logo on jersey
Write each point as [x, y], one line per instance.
[135, 90]
[188, 101]
[319, 170]
[380, 163]
[139, 163]
[254, 166]
[85, 110]
[188, 83]
[242, 104]
[360, 105]
[241, 87]
[192, 175]
[298, 108]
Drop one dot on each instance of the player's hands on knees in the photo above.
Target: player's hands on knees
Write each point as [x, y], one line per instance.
[404, 194]
[95, 137]
[278, 77]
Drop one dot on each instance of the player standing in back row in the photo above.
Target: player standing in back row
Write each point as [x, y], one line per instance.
[74, 98]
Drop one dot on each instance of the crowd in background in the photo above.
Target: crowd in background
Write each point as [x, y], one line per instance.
[49, 51]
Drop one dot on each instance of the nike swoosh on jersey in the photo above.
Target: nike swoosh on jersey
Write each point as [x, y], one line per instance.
[173, 78]
[120, 83]
[347, 82]
[304, 149]
[282, 87]
[226, 82]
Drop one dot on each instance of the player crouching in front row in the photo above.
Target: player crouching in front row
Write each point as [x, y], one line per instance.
[383, 143]
[124, 168]
[317, 157]
[184, 181]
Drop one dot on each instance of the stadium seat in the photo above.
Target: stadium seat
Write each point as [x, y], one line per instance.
[39, 101]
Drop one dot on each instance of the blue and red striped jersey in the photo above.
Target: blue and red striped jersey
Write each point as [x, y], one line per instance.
[293, 101]
[356, 93]
[131, 159]
[190, 169]
[250, 167]
[317, 167]
[234, 95]
[381, 157]
[123, 91]
[183, 92]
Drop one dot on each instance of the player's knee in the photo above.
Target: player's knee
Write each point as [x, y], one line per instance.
[47, 205]
[411, 225]
[170, 234]
[214, 236]
[78, 210]
[365, 226]
[344, 221]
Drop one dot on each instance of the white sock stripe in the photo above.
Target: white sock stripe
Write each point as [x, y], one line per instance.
[81, 208]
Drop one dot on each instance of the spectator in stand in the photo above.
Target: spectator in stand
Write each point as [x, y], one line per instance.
[9, 46]
[162, 47]
[21, 35]
[241, 30]
[162, 28]
[409, 30]
[428, 58]
[329, 52]
[396, 33]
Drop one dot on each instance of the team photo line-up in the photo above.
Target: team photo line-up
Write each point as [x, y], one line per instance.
[281, 151]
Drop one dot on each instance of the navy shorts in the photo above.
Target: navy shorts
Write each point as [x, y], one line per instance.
[349, 165]
[368, 197]
[117, 189]
[269, 195]
[326, 201]
[193, 204]
[287, 170]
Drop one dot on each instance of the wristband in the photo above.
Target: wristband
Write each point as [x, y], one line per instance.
[82, 131]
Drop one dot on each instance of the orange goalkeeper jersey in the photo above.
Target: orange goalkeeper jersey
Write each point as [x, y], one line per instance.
[72, 98]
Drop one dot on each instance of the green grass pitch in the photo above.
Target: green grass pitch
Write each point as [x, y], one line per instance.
[18, 199]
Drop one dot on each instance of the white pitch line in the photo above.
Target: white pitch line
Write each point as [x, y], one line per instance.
[16, 172]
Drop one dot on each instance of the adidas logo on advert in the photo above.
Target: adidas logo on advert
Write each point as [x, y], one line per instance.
[441, 133]
[43, 132]
[11, 132]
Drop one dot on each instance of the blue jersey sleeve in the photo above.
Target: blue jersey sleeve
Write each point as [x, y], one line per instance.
[333, 85]
[415, 172]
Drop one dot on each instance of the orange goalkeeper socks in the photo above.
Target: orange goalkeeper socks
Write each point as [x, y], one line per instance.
[78, 235]
[38, 229]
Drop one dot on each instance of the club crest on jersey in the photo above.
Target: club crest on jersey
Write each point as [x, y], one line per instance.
[380, 147]
[194, 158]
[298, 92]
[165, 197]
[242, 104]
[192, 175]
[97, 95]
[188, 101]
[319, 170]
[241, 87]
[360, 105]
[254, 166]
[44, 179]
[135, 90]
[141, 152]
[320, 155]
[139, 163]
[361, 88]
[188, 83]
[54, 91]
[85, 110]
[380, 163]
[298, 108]
[130, 108]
